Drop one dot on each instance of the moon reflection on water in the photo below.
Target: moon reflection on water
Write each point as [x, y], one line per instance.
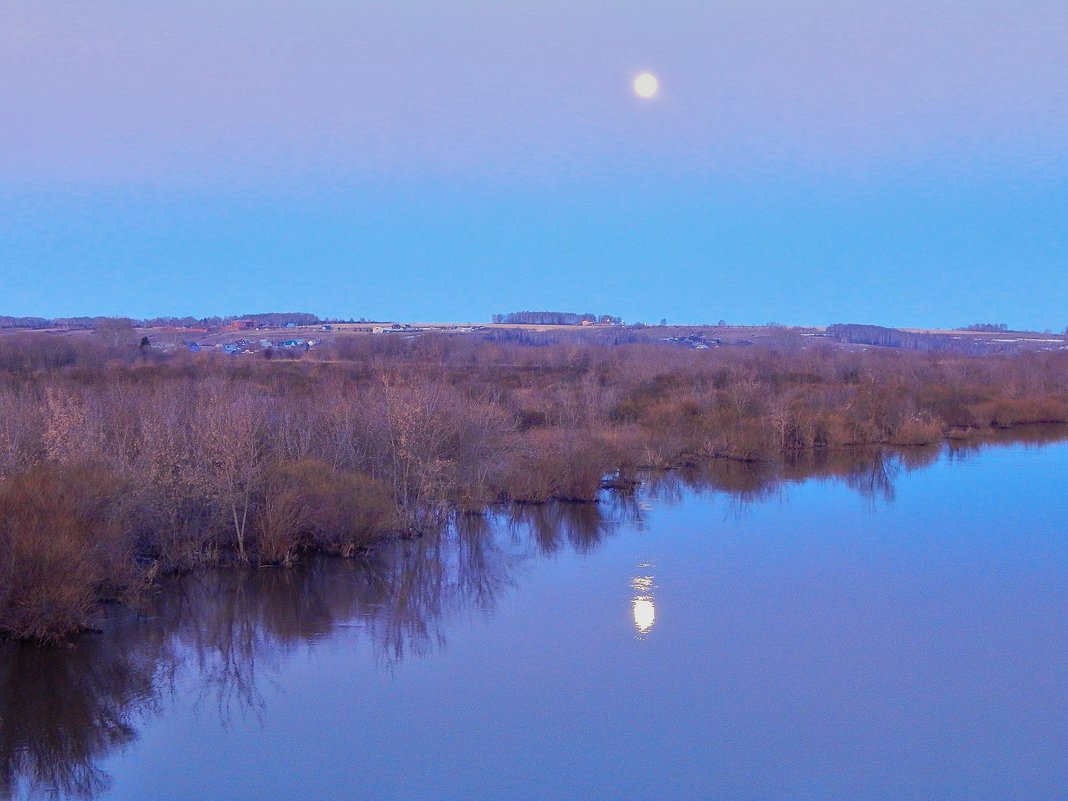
[643, 605]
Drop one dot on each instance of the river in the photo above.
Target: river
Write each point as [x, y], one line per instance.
[887, 625]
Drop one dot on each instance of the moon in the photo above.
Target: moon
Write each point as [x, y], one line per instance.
[646, 86]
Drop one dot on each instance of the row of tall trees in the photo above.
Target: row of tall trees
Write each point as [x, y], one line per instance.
[990, 328]
[555, 318]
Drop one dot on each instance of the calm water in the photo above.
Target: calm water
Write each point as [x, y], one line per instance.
[890, 627]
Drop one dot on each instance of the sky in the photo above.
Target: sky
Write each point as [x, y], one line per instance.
[806, 161]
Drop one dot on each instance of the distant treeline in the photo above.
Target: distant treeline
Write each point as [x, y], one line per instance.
[117, 462]
[990, 328]
[555, 318]
[269, 319]
[910, 340]
[25, 322]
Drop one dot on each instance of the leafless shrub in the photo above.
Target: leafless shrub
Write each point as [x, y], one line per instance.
[63, 547]
[310, 504]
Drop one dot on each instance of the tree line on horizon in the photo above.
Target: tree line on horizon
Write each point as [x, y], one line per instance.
[554, 318]
[269, 319]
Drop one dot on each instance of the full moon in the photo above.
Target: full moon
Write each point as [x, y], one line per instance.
[646, 85]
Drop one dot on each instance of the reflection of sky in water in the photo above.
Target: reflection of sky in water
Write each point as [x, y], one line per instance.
[643, 605]
[804, 648]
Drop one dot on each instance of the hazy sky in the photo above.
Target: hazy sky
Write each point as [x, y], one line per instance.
[807, 162]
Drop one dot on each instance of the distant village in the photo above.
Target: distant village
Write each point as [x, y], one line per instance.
[291, 334]
[296, 336]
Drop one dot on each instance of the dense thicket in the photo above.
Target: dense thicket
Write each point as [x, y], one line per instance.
[112, 463]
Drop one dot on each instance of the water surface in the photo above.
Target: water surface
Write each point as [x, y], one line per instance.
[885, 626]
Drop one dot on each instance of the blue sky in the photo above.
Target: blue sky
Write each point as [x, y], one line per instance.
[805, 162]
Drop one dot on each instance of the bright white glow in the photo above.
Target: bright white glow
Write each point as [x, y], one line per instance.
[646, 85]
[644, 614]
[642, 606]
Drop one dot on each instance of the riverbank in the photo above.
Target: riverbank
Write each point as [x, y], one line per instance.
[113, 473]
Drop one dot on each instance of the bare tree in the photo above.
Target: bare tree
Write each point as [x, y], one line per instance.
[232, 430]
[115, 332]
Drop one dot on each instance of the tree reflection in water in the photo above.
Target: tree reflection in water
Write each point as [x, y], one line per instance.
[553, 526]
[870, 472]
[63, 710]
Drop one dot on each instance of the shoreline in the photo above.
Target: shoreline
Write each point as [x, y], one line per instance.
[630, 487]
